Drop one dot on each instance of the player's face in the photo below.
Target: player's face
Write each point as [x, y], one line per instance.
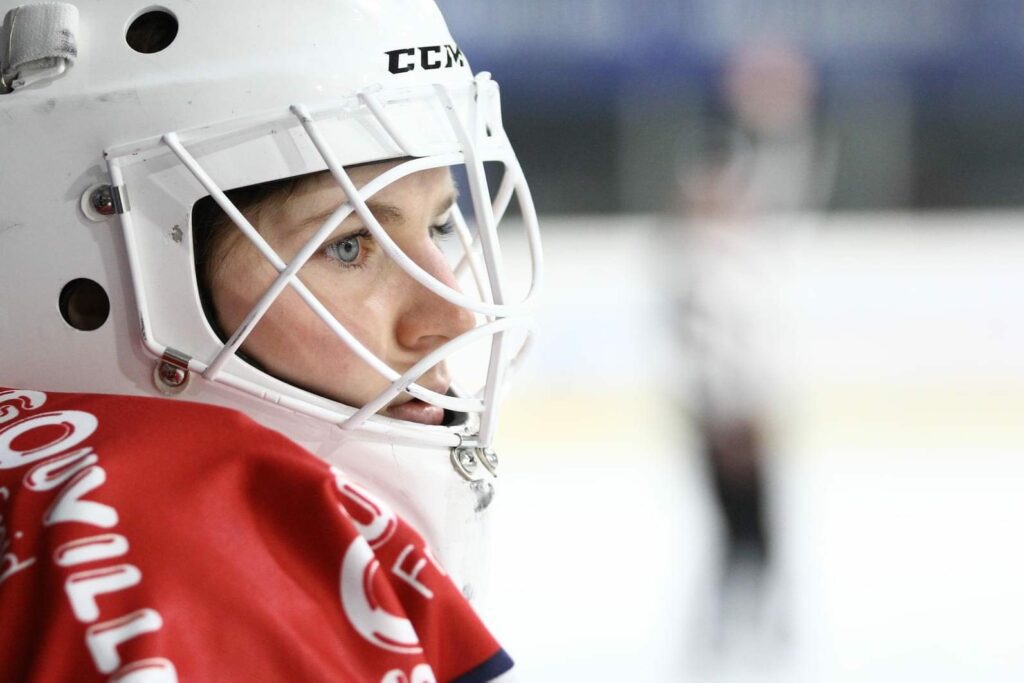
[390, 313]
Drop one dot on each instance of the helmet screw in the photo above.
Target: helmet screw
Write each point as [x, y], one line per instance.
[100, 202]
[467, 460]
[102, 199]
[489, 459]
[172, 375]
[491, 456]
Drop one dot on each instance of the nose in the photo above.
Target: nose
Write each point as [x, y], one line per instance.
[426, 320]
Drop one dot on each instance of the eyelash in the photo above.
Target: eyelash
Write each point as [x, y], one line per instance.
[437, 232]
[363, 236]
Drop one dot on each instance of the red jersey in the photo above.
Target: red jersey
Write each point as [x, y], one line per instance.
[150, 541]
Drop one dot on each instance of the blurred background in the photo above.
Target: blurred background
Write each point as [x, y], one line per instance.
[771, 429]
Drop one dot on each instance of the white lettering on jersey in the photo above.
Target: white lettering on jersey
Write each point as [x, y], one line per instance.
[83, 587]
[360, 564]
[10, 563]
[76, 426]
[104, 639]
[91, 549]
[412, 577]
[79, 473]
[361, 607]
[383, 520]
[156, 670]
[29, 400]
[421, 674]
[51, 473]
[70, 508]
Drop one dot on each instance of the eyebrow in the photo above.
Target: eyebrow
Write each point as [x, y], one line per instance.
[387, 214]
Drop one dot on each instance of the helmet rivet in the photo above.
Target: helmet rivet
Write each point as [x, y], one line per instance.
[102, 199]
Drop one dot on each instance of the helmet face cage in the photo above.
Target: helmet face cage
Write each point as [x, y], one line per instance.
[429, 126]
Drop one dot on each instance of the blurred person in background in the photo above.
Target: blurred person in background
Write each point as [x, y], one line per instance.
[760, 164]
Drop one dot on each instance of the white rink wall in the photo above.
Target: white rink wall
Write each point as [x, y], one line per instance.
[896, 472]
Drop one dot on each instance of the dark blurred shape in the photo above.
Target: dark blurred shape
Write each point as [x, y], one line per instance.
[734, 450]
[928, 97]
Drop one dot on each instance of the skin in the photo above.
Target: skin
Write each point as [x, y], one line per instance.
[395, 317]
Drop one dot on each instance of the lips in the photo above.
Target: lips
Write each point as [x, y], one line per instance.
[410, 409]
[416, 411]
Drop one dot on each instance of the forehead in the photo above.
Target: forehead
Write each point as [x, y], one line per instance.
[416, 192]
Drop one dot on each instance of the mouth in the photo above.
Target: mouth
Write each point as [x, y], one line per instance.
[416, 411]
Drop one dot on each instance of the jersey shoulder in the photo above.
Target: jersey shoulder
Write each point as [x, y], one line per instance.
[143, 527]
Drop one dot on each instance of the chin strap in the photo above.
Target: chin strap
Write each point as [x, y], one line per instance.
[37, 43]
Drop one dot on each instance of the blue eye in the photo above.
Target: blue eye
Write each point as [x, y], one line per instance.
[345, 250]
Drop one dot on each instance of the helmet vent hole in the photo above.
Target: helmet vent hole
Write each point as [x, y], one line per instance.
[84, 304]
[152, 31]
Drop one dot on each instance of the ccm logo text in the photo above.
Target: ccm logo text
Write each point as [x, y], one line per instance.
[430, 57]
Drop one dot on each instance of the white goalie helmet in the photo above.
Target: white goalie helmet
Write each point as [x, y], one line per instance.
[116, 118]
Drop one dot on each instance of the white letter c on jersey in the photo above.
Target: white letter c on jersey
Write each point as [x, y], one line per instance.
[383, 629]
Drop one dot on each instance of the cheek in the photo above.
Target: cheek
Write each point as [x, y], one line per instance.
[236, 287]
[360, 300]
[294, 343]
